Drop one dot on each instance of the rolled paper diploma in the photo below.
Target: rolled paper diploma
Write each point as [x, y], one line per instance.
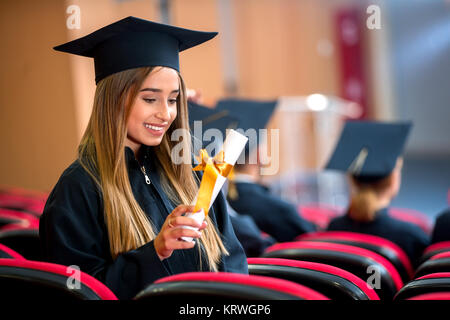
[232, 148]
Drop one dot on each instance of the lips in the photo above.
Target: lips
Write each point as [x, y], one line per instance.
[155, 129]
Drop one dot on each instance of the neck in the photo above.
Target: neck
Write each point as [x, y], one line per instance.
[134, 146]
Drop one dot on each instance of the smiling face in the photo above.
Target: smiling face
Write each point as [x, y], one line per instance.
[154, 108]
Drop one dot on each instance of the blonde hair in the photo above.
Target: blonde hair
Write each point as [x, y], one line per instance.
[365, 201]
[101, 153]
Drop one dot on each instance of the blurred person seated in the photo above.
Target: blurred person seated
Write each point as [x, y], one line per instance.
[370, 154]
[441, 231]
[273, 215]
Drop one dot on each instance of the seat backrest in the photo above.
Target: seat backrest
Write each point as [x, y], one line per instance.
[23, 240]
[21, 202]
[4, 220]
[433, 266]
[379, 245]
[223, 285]
[21, 218]
[318, 214]
[430, 283]
[6, 252]
[434, 249]
[442, 255]
[432, 296]
[363, 263]
[333, 282]
[25, 279]
[412, 216]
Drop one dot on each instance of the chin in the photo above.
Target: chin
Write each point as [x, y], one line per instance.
[152, 142]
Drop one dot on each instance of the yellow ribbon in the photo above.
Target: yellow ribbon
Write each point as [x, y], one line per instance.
[212, 168]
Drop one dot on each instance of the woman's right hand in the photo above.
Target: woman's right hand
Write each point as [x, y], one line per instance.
[169, 237]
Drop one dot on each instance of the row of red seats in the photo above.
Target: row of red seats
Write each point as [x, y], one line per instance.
[335, 265]
[321, 214]
[270, 278]
[366, 255]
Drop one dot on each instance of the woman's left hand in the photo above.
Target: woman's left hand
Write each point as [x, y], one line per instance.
[169, 237]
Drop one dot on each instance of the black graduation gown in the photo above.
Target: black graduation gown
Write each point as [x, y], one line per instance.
[249, 235]
[73, 231]
[274, 216]
[441, 230]
[407, 236]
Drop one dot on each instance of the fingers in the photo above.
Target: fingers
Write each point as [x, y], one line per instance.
[169, 237]
[203, 226]
[183, 245]
[178, 211]
[183, 221]
[178, 233]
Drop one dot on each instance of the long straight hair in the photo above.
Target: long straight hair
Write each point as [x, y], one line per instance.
[101, 153]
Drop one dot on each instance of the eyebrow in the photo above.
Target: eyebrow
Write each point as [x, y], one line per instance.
[158, 90]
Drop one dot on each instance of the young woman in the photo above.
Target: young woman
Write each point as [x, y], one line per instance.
[370, 153]
[117, 212]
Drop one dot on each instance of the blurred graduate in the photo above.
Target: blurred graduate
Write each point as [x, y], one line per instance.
[117, 212]
[441, 230]
[274, 216]
[370, 153]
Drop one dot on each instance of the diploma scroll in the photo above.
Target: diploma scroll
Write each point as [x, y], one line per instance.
[215, 174]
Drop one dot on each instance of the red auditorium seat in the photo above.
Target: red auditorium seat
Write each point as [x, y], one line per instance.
[18, 217]
[23, 240]
[361, 262]
[442, 255]
[414, 217]
[32, 280]
[381, 246]
[319, 214]
[432, 296]
[223, 285]
[335, 283]
[436, 264]
[6, 252]
[430, 283]
[22, 202]
[5, 220]
[434, 249]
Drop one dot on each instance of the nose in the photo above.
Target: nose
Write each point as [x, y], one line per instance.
[164, 112]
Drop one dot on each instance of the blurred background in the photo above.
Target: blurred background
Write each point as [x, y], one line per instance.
[325, 60]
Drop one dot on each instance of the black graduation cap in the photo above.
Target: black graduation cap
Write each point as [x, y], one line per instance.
[252, 114]
[368, 150]
[210, 119]
[132, 42]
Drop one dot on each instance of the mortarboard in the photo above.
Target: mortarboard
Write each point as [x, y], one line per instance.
[251, 114]
[369, 150]
[210, 119]
[132, 42]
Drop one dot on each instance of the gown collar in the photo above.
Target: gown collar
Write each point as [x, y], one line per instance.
[131, 160]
